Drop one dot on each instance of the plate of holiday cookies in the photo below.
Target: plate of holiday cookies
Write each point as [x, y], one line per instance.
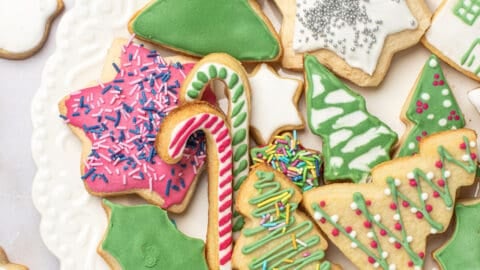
[285, 134]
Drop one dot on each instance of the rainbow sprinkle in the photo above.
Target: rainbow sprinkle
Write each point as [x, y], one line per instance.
[287, 155]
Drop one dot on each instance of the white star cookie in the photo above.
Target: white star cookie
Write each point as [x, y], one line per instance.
[274, 104]
[474, 97]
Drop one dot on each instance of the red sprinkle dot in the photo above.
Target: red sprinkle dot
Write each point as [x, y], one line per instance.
[398, 226]
[450, 118]
[368, 202]
[419, 215]
[410, 264]
[393, 206]
[322, 204]
[413, 182]
[439, 164]
[441, 82]
[421, 255]
[373, 244]
[473, 156]
[335, 232]
[419, 110]
[441, 182]
[463, 146]
[435, 83]
[424, 133]
[397, 245]
[367, 224]
[436, 194]
[419, 103]
[429, 208]
[371, 260]
[436, 76]
[383, 232]
[425, 106]
[418, 138]
[323, 220]
[358, 212]
[405, 204]
[457, 117]
[453, 112]
[348, 229]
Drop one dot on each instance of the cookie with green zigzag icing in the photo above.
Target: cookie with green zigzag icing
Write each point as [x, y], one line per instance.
[431, 107]
[201, 27]
[354, 141]
[277, 235]
[385, 224]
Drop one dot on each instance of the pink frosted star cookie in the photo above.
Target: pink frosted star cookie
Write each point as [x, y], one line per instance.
[117, 123]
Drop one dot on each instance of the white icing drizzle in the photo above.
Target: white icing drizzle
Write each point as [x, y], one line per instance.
[323, 115]
[318, 87]
[338, 97]
[350, 120]
[364, 138]
[362, 162]
[339, 137]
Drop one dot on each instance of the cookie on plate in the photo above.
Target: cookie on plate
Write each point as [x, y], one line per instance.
[385, 224]
[201, 27]
[118, 120]
[25, 25]
[430, 107]
[355, 39]
[354, 141]
[455, 35]
[277, 235]
[5, 264]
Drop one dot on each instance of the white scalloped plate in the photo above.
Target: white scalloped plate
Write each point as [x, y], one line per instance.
[73, 222]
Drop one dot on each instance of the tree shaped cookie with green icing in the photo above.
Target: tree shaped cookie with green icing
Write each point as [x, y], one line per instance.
[463, 249]
[354, 141]
[385, 224]
[143, 237]
[430, 108]
[201, 27]
[276, 234]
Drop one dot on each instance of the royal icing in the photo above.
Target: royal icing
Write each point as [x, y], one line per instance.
[208, 26]
[354, 141]
[239, 111]
[457, 18]
[419, 203]
[220, 171]
[432, 107]
[461, 251]
[277, 236]
[286, 154]
[153, 241]
[28, 17]
[474, 97]
[354, 30]
[121, 119]
[282, 114]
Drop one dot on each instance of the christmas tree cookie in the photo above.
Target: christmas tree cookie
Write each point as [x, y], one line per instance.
[430, 108]
[354, 141]
[276, 234]
[385, 224]
[461, 251]
[201, 27]
[143, 237]
[285, 154]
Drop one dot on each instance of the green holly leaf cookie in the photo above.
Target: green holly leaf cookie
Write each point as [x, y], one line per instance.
[200, 27]
[143, 237]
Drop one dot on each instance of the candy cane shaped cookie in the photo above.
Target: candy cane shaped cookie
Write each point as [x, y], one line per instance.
[223, 67]
[177, 127]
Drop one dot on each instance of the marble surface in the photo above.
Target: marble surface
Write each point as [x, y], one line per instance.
[19, 220]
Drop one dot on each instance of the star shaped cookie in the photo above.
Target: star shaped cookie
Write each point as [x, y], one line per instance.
[6, 265]
[274, 104]
[355, 39]
[117, 122]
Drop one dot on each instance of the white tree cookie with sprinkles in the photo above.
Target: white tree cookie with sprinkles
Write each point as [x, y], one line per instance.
[355, 39]
[277, 235]
[117, 122]
[457, 20]
[385, 224]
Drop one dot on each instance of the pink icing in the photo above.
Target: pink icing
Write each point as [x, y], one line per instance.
[121, 119]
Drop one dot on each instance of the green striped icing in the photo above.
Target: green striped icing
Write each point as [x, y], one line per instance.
[354, 141]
